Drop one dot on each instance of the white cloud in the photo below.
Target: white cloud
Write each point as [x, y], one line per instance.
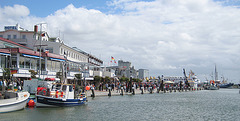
[163, 35]
[16, 12]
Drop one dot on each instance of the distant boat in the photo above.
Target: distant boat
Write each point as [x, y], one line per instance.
[212, 87]
[13, 101]
[226, 85]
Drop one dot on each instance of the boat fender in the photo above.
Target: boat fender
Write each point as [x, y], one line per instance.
[56, 94]
[43, 92]
[61, 95]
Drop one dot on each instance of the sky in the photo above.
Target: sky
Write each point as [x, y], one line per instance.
[163, 36]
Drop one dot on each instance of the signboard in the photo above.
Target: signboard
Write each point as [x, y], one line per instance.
[10, 27]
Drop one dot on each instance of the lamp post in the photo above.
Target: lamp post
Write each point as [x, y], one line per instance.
[40, 47]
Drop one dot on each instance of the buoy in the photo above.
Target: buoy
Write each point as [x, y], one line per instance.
[31, 103]
[56, 94]
[61, 94]
[87, 87]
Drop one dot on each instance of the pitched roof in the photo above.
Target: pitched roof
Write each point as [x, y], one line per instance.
[9, 41]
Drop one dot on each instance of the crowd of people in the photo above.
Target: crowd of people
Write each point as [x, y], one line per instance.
[128, 86]
[11, 84]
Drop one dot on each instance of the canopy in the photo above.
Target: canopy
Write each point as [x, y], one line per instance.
[168, 82]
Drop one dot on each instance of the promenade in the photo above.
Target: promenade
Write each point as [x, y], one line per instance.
[137, 91]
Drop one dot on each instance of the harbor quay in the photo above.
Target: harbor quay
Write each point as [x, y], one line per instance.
[119, 92]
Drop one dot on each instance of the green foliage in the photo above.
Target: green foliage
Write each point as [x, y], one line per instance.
[97, 78]
[59, 74]
[107, 79]
[6, 73]
[33, 73]
[78, 76]
[124, 79]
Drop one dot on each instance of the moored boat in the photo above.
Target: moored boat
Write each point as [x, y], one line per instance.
[65, 96]
[226, 85]
[13, 101]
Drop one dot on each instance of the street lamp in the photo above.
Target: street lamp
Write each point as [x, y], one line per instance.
[40, 46]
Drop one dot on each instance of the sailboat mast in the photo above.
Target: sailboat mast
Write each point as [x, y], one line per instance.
[216, 73]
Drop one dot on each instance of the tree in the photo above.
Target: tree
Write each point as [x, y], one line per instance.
[97, 80]
[78, 76]
[33, 73]
[6, 73]
[124, 79]
[59, 74]
[107, 79]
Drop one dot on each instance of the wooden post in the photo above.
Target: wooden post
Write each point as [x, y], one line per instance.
[109, 89]
[93, 94]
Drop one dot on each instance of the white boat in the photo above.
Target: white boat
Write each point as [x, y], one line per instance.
[13, 101]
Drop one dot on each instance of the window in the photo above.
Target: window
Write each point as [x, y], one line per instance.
[1, 35]
[23, 36]
[58, 66]
[49, 65]
[53, 65]
[21, 62]
[14, 36]
[43, 65]
[3, 58]
[14, 62]
[50, 49]
[9, 37]
[33, 63]
[27, 62]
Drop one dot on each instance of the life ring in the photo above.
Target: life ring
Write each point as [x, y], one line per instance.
[43, 92]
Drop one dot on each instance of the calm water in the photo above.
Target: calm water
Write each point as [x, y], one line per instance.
[223, 104]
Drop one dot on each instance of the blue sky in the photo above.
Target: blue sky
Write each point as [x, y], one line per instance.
[163, 36]
[43, 8]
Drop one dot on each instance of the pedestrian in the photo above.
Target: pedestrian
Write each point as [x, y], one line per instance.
[112, 86]
[106, 86]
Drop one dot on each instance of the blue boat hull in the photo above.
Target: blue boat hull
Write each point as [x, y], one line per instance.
[229, 85]
[43, 101]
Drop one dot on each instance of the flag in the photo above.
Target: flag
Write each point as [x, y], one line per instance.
[112, 58]
[13, 71]
[43, 35]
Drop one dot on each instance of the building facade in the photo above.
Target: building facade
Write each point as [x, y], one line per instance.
[42, 46]
[143, 73]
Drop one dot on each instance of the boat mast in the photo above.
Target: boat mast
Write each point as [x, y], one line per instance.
[185, 78]
[216, 73]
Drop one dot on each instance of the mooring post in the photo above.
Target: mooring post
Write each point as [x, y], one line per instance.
[158, 89]
[109, 89]
[121, 91]
[142, 90]
[93, 94]
[133, 90]
[150, 88]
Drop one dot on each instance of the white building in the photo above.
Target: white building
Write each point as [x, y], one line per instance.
[78, 61]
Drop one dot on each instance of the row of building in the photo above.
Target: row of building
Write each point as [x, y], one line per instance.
[22, 50]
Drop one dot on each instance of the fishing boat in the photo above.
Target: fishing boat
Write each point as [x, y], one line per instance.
[60, 97]
[13, 101]
[60, 94]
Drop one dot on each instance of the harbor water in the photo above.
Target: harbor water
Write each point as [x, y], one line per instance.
[204, 105]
